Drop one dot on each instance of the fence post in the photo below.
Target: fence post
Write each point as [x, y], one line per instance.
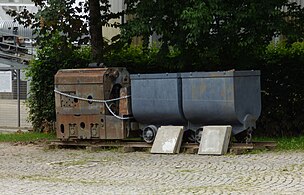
[18, 95]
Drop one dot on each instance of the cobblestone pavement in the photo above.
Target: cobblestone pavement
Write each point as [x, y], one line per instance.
[31, 170]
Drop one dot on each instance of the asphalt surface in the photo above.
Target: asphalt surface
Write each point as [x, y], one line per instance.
[31, 169]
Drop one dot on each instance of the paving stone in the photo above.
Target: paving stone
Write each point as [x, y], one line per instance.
[215, 140]
[168, 140]
[30, 169]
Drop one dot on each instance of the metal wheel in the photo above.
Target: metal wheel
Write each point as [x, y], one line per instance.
[244, 136]
[189, 136]
[149, 133]
[249, 136]
[198, 135]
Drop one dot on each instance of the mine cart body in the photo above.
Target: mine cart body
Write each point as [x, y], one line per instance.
[222, 98]
[156, 98]
[197, 99]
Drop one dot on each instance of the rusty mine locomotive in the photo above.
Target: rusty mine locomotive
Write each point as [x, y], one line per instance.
[111, 104]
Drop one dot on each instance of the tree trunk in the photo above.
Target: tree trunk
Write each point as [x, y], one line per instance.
[96, 31]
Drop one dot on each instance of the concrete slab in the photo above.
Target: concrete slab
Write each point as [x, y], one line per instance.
[179, 141]
[168, 140]
[215, 140]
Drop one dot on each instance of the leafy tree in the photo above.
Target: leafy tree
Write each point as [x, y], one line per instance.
[282, 70]
[80, 23]
[215, 32]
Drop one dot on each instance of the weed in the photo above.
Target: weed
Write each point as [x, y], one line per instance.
[285, 143]
[58, 180]
[25, 137]
[185, 170]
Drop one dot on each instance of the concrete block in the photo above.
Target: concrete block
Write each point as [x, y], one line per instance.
[168, 140]
[179, 141]
[215, 140]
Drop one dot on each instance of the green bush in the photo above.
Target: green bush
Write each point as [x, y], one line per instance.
[283, 90]
[139, 60]
[53, 55]
[131, 57]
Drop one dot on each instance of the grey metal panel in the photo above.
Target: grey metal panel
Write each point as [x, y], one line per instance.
[233, 98]
[155, 76]
[247, 97]
[156, 99]
[10, 64]
[209, 100]
[6, 28]
[220, 74]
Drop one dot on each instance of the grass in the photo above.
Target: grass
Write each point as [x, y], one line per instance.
[294, 143]
[186, 170]
[285, 143]
[70, 163]
[25, 137]
[60, 180]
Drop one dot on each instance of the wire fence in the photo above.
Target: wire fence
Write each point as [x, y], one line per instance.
[9, 114]
[13, 95]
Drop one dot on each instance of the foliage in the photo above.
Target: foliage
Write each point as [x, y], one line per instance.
[78, 23]
[139, 60]
[285, 143]
[214, 34]
[131, 58]
[55, 16]
[290, 143]
[283, 90]
[56, 54]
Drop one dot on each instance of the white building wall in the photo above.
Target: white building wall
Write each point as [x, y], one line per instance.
[109, 32]
[299, 2]
[5, 5]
